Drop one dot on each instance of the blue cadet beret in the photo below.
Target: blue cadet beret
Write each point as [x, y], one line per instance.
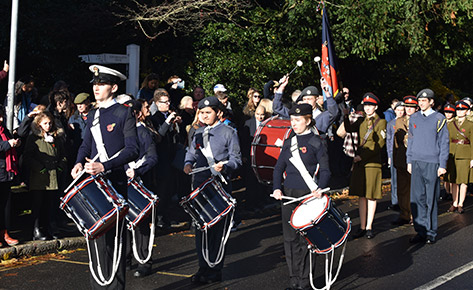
[80, 98]
[211, 101]
[410, 101]
[308, 91]
[449, 108]
[370, 99]
[426, 93]
[103, 74]
[461, 105]
[301, 110]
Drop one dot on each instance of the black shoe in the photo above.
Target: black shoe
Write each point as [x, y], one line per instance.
[197, 278]
[369, 234]
[430, 240]
[394, 207]
[142, 272]
[38, 235]
[417, 239]
[360, 233]
[212, 278]
[400, 222]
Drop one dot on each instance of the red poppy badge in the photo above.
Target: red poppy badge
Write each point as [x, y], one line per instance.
[197, 146]
[415, 126]
[463, 130]
[110, 127]
[303, 149]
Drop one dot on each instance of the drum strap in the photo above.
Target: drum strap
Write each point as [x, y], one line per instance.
[97, 134]
[299, 165]
[207, 152]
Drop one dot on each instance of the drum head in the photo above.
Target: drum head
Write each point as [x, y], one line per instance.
[309, 211]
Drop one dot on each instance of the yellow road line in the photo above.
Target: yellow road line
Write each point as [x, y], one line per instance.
[69, 261]
[174, 274]
[4, 269]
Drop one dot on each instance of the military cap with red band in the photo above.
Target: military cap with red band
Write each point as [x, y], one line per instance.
[461, 105]
[449, 108]
[370, 99]
[410, 101]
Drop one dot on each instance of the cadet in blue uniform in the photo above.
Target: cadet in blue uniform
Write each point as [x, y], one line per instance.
[310, 95]
[142, 168]
[118, 132]
[427, 155]
[313, 153]
[223, 142]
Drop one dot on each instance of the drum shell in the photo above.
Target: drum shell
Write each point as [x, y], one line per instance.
[326, 230]
[140, 201]
[208, 203]
[266, 147]
[93, 205]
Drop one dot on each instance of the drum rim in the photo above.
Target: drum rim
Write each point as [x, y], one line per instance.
[316, 220]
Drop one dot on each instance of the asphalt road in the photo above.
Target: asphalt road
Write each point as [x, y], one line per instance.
[255, 258]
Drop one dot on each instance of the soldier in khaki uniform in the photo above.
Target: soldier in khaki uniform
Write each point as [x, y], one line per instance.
[365, 180]
[399, 161]
[461, 153]
[449, 112]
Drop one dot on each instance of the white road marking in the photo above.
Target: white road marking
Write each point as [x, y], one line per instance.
[447, 277]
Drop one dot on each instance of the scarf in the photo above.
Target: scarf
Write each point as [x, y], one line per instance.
[10, 155]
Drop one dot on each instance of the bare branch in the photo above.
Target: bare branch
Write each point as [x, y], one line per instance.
[184, 16]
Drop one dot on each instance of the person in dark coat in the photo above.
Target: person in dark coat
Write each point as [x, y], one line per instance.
[312, 152]
[8, 170]
[142, 168]
[46, 157]
[117, 129]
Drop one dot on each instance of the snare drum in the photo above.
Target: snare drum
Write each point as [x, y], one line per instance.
[321, 224]
[208, 204]
[141, 201]
[93, 204]
[266, 147]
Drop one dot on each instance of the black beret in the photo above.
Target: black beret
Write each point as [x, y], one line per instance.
[426, 93]
[134, 105]
[410, 101]
[301, 110]
[308, 91]
[462, 105]
[449, 108]
[370, 99]
[211, 101]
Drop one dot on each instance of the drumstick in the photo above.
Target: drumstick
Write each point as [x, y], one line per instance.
[305, 196]
[284, 197]
[80, 174]
[200, 169]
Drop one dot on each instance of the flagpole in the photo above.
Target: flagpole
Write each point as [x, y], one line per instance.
[12, 63]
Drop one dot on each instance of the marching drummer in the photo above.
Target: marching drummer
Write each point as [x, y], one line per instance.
[303, 154]
[142, 168]
[110, 135]
[215, 146]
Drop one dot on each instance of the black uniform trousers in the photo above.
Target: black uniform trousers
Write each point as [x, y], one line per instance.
[106, 243]
[295, 246]
[5, 205]
[214, 239]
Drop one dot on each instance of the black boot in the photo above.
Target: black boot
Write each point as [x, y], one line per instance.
[38, 235]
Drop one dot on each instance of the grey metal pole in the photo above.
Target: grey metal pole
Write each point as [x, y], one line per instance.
[12, 63]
